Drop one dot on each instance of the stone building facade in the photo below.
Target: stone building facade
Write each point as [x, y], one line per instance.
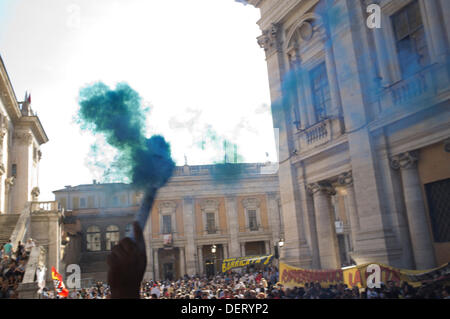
[22, 215]
[191, 213]
[364, 122]
[21, 135]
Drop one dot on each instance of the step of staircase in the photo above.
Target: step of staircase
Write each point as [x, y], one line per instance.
[7, 224]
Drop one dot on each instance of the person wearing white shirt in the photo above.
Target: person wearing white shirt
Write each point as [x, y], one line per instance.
[155, 290]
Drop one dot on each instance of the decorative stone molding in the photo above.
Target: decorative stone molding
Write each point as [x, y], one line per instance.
[273, 195]
[405, 160]
[270, 39]
[345, 179]
[294, 57]
[24, 138]
[305, 31]
[251, 202]
[9, 182]
[3, 132]
[211, 204]
[167, 206]
[35, 192]
[324, 186]
[2, 169]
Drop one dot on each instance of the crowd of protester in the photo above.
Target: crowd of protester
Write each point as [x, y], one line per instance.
[12, 267]
[262, 285]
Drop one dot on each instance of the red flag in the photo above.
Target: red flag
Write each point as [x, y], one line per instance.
[29, 98]
[59, 284]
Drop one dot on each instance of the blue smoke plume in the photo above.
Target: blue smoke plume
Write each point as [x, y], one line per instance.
[118, 115]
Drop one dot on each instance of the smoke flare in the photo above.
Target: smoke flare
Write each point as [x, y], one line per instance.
[118, 115]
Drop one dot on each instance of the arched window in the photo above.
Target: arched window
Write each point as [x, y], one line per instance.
[93, 240]
[112, 236]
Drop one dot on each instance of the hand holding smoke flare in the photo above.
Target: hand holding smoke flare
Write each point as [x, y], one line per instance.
[119, 116]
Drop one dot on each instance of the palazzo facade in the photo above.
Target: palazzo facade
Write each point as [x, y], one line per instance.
[191, 213]
[364, 121]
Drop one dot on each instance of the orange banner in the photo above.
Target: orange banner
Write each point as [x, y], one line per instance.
[358, 275]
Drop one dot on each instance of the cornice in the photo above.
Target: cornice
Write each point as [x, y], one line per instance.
[7, 94]
[251, 202]
[167, 206]
[33, 123]
[210, 204]
[279, 11]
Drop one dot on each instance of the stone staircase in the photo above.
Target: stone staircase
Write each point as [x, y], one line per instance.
[8, 223]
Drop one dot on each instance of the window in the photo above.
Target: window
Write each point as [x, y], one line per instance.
[211, 223]
[252, 220]
[439, 207]
[93, 240]
[167, 224]
[82, 202]
[14, 170]
[410, 39]
[112, 236]
[320, 91]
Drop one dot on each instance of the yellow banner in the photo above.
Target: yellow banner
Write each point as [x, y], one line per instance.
[238, 262]
[357, 275]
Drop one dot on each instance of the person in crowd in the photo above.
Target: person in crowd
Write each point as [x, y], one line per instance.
[127, 264]
[19, 250]
[7, 248]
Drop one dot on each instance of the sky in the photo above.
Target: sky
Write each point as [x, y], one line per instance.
[196, 65]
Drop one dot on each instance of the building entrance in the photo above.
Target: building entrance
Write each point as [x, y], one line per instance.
[168, 269]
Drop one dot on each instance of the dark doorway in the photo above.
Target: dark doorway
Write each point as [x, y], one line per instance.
[168, 271]
[209, 267]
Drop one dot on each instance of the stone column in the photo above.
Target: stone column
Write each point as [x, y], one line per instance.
[309, 98]
[156, 262]
[233, 226]
[200, 259]
[242, 249]
[189, 233]
[415, 209]
[182, 263]
[383, 57]
[225, 250]
[295, 62]
[326, 231]
[267, 246]
[332, 80]
[445, 5]
[292, 92]
[437, 33]
[346, 180]
[46, 231]
[271, 41]
[274, 216]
